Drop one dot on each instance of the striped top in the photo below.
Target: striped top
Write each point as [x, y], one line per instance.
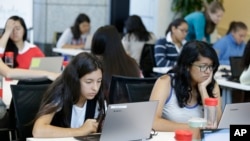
[166, 52]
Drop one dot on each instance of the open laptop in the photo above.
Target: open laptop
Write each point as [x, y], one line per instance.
[236, 68]
[215, 134]
[127, 121]
[236, 113]
[52, 64]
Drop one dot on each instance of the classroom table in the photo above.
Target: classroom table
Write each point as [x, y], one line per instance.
[69, 52]
[161, 136]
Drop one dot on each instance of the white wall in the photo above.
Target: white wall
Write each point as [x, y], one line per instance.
[156, 14]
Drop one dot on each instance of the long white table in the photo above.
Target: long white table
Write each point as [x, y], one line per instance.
[161, 136]
[70, 52]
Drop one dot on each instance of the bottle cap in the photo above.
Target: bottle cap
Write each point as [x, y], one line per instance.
[211, 101]
[65, 63]
[9, 53]
[183, 135]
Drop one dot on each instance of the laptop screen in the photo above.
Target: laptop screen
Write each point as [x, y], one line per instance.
[215, 135]
[236, 66]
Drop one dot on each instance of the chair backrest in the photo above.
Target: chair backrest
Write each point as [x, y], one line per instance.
[119, 86]
[26, 99]
[147, 61]
[139, 92]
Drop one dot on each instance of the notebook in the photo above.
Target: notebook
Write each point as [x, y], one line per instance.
[52, 64]
[236, 68]
[127, 121]
[236, 113]
[215, 134]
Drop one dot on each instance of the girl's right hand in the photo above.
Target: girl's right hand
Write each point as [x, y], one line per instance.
[89, 126]
[10, 24]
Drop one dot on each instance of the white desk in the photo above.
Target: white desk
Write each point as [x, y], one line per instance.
[7, 95]
[70, 52]
[161, 136]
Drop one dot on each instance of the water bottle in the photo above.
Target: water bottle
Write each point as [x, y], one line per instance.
[1, 87]
[210, 112]
[9, 59]
[183, 135]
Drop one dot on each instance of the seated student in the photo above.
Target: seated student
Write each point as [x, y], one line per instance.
[76, 36]
[167, 49]
[14, 39]
[181, 93]
[136, 36]
[232, 44]
[72, 101]
[245, 76]
[107, 45]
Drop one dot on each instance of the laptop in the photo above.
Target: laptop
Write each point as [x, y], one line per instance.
[127, 121]
[236, 113]
[52, 64]
[215, 134]
[236, 68]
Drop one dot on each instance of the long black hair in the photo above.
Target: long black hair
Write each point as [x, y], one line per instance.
[106, 43]
[246, 56]
[75, 28]
[66, 89]
[11, 46]
[134, 25]
[181, 81]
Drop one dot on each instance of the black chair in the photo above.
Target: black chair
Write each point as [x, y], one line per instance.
[139, 92]
[26, 100]
[119, 86]
[147, 60]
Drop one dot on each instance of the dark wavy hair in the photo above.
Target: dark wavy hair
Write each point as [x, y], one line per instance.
[75, 28]
[11, 46]
[134, 25]
[181, 81]
[106, 43]
[175, 23]
[66, 89]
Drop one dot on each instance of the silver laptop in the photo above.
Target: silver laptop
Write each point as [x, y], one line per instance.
[52, 64]
[127, 121]
[236, 113]
[215, 134]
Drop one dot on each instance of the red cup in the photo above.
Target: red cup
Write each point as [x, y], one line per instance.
[1, 93]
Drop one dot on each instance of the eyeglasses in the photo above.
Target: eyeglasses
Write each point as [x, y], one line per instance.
[182, 30]
[204, 68]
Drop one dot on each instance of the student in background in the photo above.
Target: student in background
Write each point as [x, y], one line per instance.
[14, 39]
[72, 101]
[76, 36]
[181, 93]
[245, 76]
[232, 44]
[202, 24]
[136, 36]
[107, 45]
[167, 49]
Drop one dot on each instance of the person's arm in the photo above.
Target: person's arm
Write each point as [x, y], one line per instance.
[25, 74]
[220, 47]
[10, 24]
[65, 39]
[43, 129]
[202, 87]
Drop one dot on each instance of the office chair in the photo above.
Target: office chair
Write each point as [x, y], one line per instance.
[120, 88]
[26, 101]
[139, 92]
[147, 60]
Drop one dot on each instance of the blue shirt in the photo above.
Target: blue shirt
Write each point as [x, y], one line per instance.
[196, 27]
[226, 47]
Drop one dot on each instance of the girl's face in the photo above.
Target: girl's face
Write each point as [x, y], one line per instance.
[200, 70]
[216, 17]
[17, 33]
[180, 32]
[84, 27]
[90, 84]
[239, 35]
